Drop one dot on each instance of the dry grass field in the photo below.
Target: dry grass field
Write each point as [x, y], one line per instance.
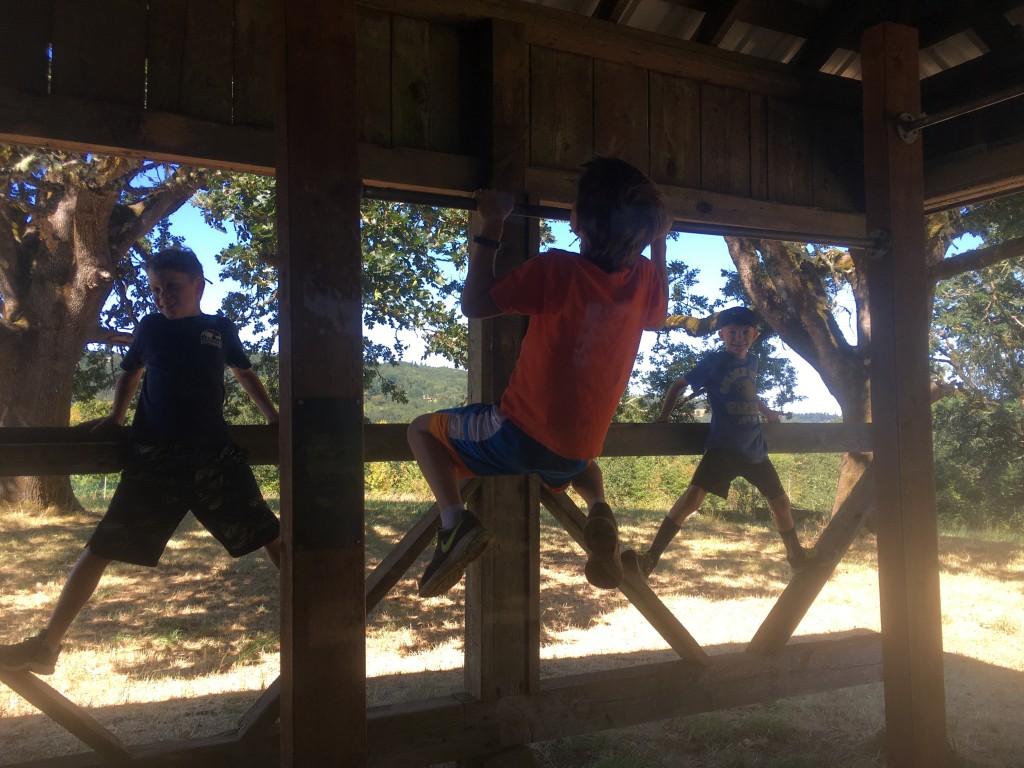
[183, 650]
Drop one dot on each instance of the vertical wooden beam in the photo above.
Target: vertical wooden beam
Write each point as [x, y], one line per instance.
[502, 596]
[323, 668]
[908, 566]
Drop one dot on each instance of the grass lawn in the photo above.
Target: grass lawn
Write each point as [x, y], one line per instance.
[183, 650]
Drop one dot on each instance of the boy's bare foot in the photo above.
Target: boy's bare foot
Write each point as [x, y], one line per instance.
[601, 535]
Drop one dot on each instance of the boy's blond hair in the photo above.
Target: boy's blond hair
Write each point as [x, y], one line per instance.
[619, 211]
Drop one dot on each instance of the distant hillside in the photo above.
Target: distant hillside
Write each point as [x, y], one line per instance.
[816, 418]
[427, 389]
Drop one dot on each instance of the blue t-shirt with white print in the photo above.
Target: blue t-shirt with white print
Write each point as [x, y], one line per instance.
[731, 390]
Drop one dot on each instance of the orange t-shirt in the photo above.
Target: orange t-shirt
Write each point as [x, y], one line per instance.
[579, 350]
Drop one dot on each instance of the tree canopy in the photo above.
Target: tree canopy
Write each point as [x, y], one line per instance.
[74, 229]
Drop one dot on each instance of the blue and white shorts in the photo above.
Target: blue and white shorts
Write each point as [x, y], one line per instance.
[484, 443]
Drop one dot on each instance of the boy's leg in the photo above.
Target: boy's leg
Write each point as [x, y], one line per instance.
[273, 550]
[39, 652]
[589, 484]
[782, 513]
[81, 583]
[462, 538]
[645, 562]
[601, 532]
[435, 463]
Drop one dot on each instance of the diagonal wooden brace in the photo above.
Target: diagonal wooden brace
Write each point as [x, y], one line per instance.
[266, 710]
[796, 599]
[633, 586]
[66, 713]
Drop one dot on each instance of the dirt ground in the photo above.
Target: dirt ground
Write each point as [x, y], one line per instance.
[183, 651]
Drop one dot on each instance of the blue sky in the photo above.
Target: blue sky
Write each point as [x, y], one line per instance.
[704, 252]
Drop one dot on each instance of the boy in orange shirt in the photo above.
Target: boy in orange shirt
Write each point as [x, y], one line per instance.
[587, 312]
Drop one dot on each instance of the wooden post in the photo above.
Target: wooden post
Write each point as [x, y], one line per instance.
[323, 670]
[908, 566]
[502, 594]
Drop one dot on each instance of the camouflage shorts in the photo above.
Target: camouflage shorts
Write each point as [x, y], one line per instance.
[161, 484]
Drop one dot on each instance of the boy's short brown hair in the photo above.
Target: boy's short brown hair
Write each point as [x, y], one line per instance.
[178, 259]
[619, 210]
[736, 316]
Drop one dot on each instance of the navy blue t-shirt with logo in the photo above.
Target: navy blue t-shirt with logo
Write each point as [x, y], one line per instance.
[731, 385]
[182, 397]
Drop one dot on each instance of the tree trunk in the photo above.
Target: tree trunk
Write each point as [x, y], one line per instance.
[793, 301]
[69, 276]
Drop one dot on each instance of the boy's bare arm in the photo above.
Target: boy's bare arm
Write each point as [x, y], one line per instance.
[124, 391]
[671, 397]
[770, 416]
[493, 207]
[254, 388]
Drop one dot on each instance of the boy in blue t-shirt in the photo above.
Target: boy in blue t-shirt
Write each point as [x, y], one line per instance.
[735, 446]
[181, 457]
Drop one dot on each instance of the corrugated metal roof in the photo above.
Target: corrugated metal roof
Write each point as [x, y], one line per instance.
[781, 30]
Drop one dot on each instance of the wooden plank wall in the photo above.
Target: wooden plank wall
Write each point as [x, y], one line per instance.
[692, 134]
[420, 88]
[206, 59]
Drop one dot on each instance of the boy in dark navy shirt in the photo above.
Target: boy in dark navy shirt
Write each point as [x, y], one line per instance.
[181, 457]
[735, 446]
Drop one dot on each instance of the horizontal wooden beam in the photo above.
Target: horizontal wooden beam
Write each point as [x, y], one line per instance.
[712, 212]
[971, 176]
[450, 728]
[68, 450]
[84, 125]
[76, 124]
[92, 126]
[456, 727]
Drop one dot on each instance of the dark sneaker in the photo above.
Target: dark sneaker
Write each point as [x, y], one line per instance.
[802, 558]
[640, 563]
[601, 535]
[33, 654]
[456, 548]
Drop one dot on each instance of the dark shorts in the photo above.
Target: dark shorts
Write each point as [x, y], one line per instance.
[484, 443]
[719, 467]
[158, 487]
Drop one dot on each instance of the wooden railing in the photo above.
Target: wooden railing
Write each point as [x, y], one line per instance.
[74, 451]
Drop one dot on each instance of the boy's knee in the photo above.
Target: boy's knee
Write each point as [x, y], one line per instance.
[418, 426]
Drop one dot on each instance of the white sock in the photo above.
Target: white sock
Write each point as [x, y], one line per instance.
[451, 515]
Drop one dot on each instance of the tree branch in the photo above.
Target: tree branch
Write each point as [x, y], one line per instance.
[173, 194]
[979, 258]
[109, 336]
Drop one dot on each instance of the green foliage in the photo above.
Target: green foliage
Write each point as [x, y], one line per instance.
[412, 257]
[673, 354]
[979, 463]
[978, 347]
[426, 389]
[978, 334]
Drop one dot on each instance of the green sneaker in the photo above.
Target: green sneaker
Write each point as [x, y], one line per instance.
[601, 534]
[640, 563]
[33, 654]
[456, 548]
